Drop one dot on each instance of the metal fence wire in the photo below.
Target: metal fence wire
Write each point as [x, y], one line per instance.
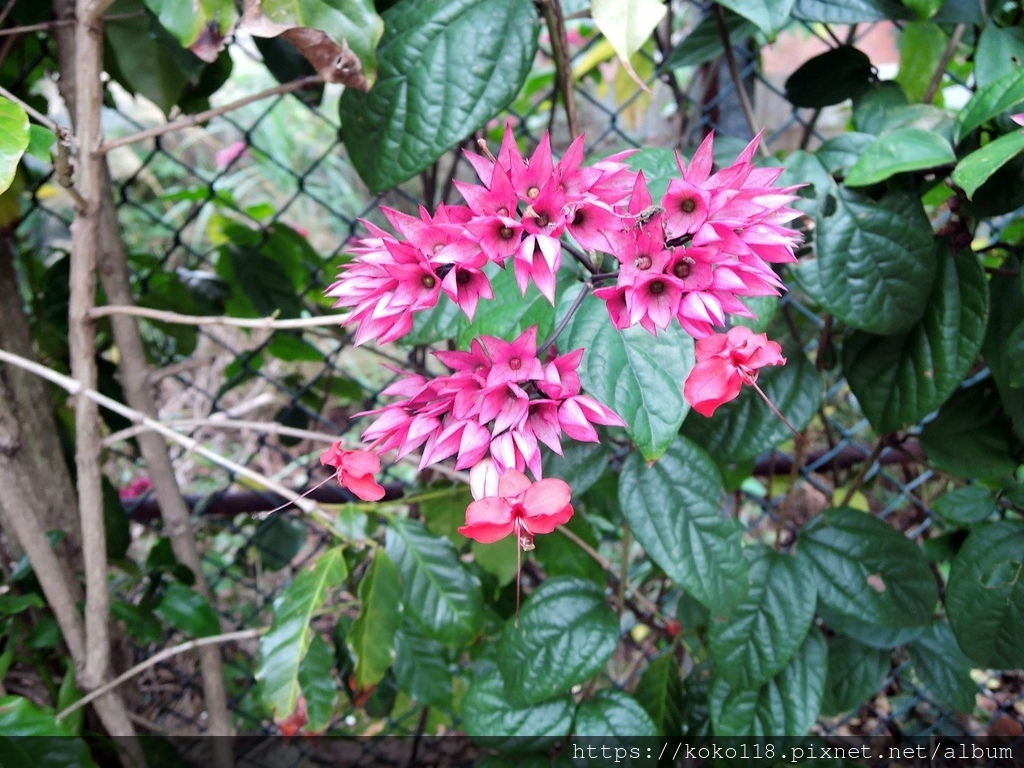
[279, 165]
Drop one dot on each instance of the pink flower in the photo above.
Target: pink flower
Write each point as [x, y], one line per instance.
[725, 362]
[355, 471]
[520, 507]
[222, 158]
[1018, 119]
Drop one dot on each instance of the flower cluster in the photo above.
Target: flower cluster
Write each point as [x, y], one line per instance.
[712, 240]
[501, 401]
[519, 212]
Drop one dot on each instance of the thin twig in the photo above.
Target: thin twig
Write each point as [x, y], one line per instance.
[581, 257]
[737, 79]
[75, 387]
[201, 117]
[940, 69]
[260, 323]
[152, 661]
[555, 19]
[35, 114]
[587, 287]
[858, 481]
[46, 26]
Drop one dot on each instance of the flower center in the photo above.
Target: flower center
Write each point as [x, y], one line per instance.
[643, 261]
[682, 267]
[523, 533]
[657, 287]
[689, 205]
[578, 218]
[542, 220]
[532, 192]
[515, 363]
[503, 211]
[429, 281]
[438, 247]
[505, 233]
[462, 277]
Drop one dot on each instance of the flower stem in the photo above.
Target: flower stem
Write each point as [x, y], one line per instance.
[587, 287]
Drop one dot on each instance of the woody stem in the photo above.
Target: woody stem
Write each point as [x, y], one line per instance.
[587, 288]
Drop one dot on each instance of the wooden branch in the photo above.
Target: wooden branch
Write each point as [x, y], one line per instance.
[152, 661]
[737, 78]
[259, 323]
[191, 121]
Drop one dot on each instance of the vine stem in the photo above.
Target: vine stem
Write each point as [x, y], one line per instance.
[737, 78]
[152, 661]
[554, 16]
[201, 117]
[940, 69]
[587, 287]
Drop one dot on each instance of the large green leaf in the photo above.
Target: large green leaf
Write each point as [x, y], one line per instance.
[900, 151]
[638, 375]
[770, 16]
[673, 510]
[876, 259]
[829, 78]
[372, 638]
[319, 685]
[900, 379]
[510, 313]
[995, 98]
[985, 595]
[490, 717]
[943, 668]
[565, 634]
[35, 732]
[999, 51]
[856, 672]
[921, 44]
[999, 350]
[559, 555]
[613, 713]
[849, 11]
[746, 427]
[766, 629]
[421, 666]
[445, 69]
[975, 169]
[284, 646]
[188, 611]
[704, 43]
[660, 693]
[626, 24]
[14, 138]
[788, 704]
[971, 436]
[867, 571]
[439, 593]
[966, 506]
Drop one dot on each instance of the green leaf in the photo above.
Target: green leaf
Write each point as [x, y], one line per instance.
[498, 558]
[900, 151]
[439, 593]
[659, 167]
[971, 437]
[421, 667]
[559, 555]
[627, 24]
[260, 285]
[636, 374]
[787, 704]
[21, 717]
[354, 23]
[580, 465]
[848, 11]
[900, 379]
[999, 350]
[770, 16]
[188, 21]
[490, 717]
[921, 45]
[13, 755]
[768, 627]
[943, 669]
[994, 99]
[319, 685]
[565, 634]
[1000, 50]
[613, 713]
[13, 604]
[856, 672]
[188, 611]
[703, 44]
[660, 693]
[746, 427]
[1015, 358]
[985, 595]
[14, 138]
[867, 571]
[966, 506]
[510, 313]
[830, 78]
[445, 70]
[372, 638]
[876, 259]
[278, 540]
[975, 169]
[673, 510]
[68, 694]
[924, 9]
[285, 645]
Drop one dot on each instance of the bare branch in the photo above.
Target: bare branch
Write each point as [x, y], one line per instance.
[201, 117]
[737, 78]
[940, 69]
[152, 661]
[260, 323]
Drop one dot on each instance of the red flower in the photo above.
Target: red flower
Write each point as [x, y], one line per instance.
[521, 507]
[355, 471]
[725, 362]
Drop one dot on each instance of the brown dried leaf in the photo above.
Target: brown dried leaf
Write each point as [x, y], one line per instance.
[210, 42]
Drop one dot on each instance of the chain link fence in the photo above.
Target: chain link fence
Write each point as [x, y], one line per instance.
[278, 166]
